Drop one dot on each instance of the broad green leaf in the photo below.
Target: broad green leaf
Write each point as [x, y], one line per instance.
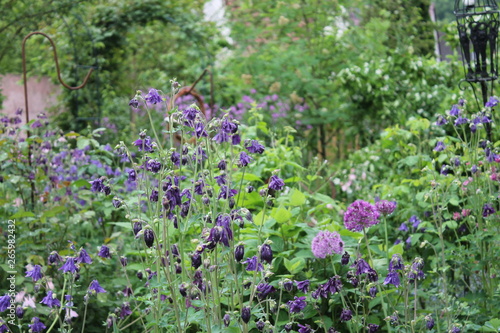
[281, 214]
[297, 198]
[295, 265]
[21, 214]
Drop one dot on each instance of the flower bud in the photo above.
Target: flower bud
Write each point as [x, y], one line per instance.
[245, 314]
[239, 252]
[266, 253]
[149, 237]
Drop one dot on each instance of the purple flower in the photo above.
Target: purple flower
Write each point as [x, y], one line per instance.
[4, 302]
[345, 315]
[303, 285]
[199, 130]
[304, 328]
[361, 266]
[227, 319]
[392, 278]
[222, 165]
[276, 183]
[134, 103]
[415, 221]
[488, 210]
[239, 251]
[104, 252]
[373, 292]
[245, 314]
[429, 322]
[153, 97]
[455, 111]
[455, 329]
[403, 227]
[253, 264]
[153, 165]
[83, 257]
[69, 265]
[35, 273]
[50, 300]
[254, 147]
[190, 114]
[492, 102]
[244, 159]
[345, 258]
[461, 121]
[226, 193]
[95, 287]
[153, 197]
[373, 328]
[144, 144]
[326, 243]
[359, 215]
[385, 207]
[36, 325]
[396, 262]
[440, 146]
[149, 237]
[125, 310]
[441, 121]
[266, 253]
[264, 289]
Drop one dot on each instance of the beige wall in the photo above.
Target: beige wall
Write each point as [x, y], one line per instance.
[42, 94]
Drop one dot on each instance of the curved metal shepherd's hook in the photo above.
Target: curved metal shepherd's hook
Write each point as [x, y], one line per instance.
[25, 82]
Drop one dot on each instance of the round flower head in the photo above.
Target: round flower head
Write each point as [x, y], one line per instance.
[385, 207]
[326, 243]
[359, 215]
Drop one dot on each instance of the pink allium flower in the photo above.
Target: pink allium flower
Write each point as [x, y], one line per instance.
[359, 215]
[326, 243]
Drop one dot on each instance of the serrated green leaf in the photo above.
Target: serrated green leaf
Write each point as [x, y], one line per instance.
[297, 198]
[281, 214]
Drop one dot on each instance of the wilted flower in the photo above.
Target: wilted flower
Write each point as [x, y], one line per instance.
[359, 215]
[326, 243]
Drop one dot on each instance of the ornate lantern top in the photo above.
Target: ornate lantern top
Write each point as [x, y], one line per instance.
[477, 23]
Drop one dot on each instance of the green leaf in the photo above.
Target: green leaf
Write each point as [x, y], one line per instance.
[295, 265]
[126, 225]
[21, 214]
[409, 161]
[398, 248]
[82, 142]
[297, 198]
[81, 183]
[281, 215]
[247, 176]
[53, 212]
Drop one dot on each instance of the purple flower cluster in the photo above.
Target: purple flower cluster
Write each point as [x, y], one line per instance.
[360, 215]
[385, 207]
[326, 243]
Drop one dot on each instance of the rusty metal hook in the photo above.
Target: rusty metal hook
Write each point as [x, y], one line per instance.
[25, 82]
[23, 51]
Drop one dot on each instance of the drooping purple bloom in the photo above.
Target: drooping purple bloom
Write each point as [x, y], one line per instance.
[266, 253]
[403, 227]
[276, 183]
[125, 310]
[69, 265]
[149, 237]
[153, 165]
[326, 243]
[440, 146]
[253, 264]
[245, 314]
[373, 328]
[373, 292]
[35, 273]
[4, 302]
[36, 325]
[153, 197]
[222, 165]
[153, 97]
[415, 221]
[488, 210]
[345, 258]
[226, 192]
[144, 144]
[303, 285]
[392, 278]
[227, 319]
[455, 329]
[239, 252]
[83, 257]
[95, 287]
[50, 300]
[254, 147]
[244, 159]
[429, 322]
[264, 289]
[361, 266]
[461, 120]
[134, 103]
[359, 215]
[305, 328]
[199, 130]
[441, 121]
[492, 102]
[345, 315]
[455, 111]
[104, 252]
[396, 262]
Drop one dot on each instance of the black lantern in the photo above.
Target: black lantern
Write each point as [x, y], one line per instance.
[477, 22]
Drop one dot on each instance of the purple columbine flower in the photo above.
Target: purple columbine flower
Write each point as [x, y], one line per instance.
[345, 315]
[189, 115]
[239, 252]
[83, 257]
[227, 319]
[415, 221]
[492, 102]
[305, 328]
[153, 165]
[4, 302]
[429, 322]
[222, 165]
[373, 328]
[403, 227]
[392, 278]
[253, 264]
[266, 253]
[153, 97]
[245, 314]
[396, 262]
[153, 197]
[345, 258]
[385, 207]
[149, 237]
[455, 329]
[104, 252]
[326, 243]
[36, 325]
[455, 111]
[50, 300]
[373, 292]
[488, 210]
[359, 215]
[95, 287]
[35, 273]
[303, 285]
[134, 103]
[264, 289]
[244, 159]
[254, 147]
[125, 310]
[276, 183]
[440, 146]
[362, 267]
[461, 120]
[226, 192]
[441, 121]
[144, 144]
[69, 266]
